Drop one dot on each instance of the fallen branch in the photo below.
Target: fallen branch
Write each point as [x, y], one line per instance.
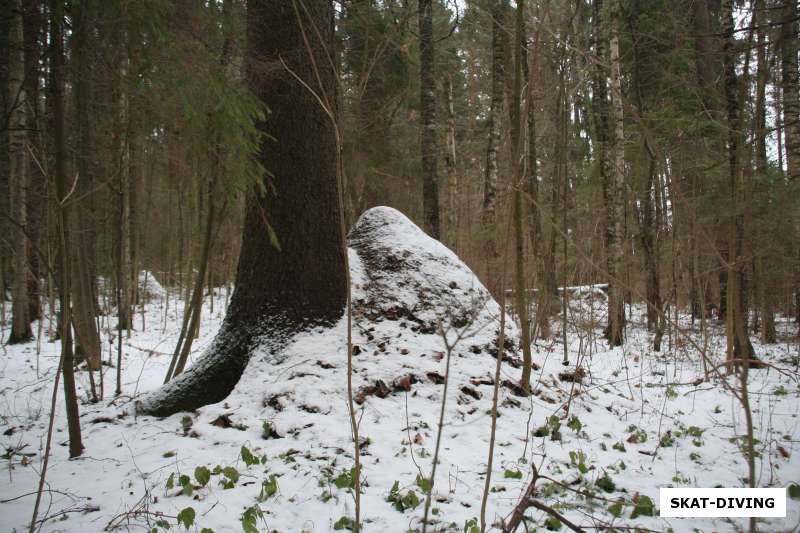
[528, 500]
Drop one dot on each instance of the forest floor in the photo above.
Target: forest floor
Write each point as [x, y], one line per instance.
[276, 455]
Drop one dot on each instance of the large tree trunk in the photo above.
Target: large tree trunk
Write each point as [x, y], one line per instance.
[428, 144]
[291, 271]
[18, 180]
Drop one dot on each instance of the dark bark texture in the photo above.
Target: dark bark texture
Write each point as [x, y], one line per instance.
[427, 88]
[291, 272]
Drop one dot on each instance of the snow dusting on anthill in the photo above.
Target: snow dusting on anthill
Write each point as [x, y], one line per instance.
[277, 453]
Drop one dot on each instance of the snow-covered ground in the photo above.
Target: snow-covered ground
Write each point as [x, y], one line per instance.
[639, 421]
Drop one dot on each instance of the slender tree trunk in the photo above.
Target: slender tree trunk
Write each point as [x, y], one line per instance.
[122, 154]
[517, 158]
[62, 190]
[498, 14]
[766, 253]
[427, 97]
[191, 319]
[32, 24]
[790, 87]
[529, 62]
[18, 179]
[739, 345]
[616, 310]
[452, 168]
[83, 308]
[489, 216]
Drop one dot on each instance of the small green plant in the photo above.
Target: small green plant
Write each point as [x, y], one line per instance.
[616, 508]
[780, 391]
[186, 517]
[666, 440]
[231, 477]
[186, 424]
[643, 506]
[695, 431]
[637, 435]
[346, 479]
[186, 484]
[578, 460]
[248, 457]
[344, 522]
[512, 474]
[202, 475]
[160, 524]
[671, 392]
[402, 502]
[249, 519]
[268, 432]
[606, 483]
[471, 526]
[574, 424]
[542, 431]
[555, 427]
[619, 446]
[552, 524]
[424, 483]
[269, 487]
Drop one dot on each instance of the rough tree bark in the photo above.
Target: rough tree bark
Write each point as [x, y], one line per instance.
[498, 9]
[791, 88]
[498, 14]
[616, 191]
[451, 165]
[18, 179]
[790, 85]
[427, 97]
[291, 272]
